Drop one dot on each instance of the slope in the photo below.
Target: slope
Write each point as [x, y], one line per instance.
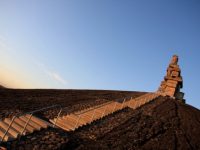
[162, 124]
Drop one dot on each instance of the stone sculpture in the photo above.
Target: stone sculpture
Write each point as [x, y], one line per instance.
[173, 81]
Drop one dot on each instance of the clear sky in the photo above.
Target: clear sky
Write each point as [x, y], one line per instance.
[101, 44]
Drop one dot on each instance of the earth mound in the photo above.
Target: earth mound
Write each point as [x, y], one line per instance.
[162, 124]
[2, 87]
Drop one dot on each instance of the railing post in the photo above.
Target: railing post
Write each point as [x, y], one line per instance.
[139, 103]
[129, 101]
[136, 104]
[8, 128]
[104, 112]
[114, 107]
[77, 122]
[148, 98]
[57, 118]
[123, 103]
[25, 125]
[93, 115]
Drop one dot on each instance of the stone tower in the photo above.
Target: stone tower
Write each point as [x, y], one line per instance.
[173, 81]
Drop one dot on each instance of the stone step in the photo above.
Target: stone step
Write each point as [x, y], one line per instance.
[107, 112]
[97, 115]
[110, 107]
[42, 123]
[88, 114]
[92, 108]
[16, 126]
[117, 107]
[58, 124]
[69, 124]
[86, 118]
[100, 111]
[75, 120]
[75, 117]
[11, 131]
[8, 137]
[20, 126]
[70, 119]
[23, 123]
[134, 105]
[33, 124]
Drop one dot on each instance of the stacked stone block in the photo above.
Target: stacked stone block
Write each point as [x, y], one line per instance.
[173, 81]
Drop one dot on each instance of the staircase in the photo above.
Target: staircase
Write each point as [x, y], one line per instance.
[73, 121]
[142, 100]
[11, 129]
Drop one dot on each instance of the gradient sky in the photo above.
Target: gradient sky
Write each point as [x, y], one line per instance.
[105, 44]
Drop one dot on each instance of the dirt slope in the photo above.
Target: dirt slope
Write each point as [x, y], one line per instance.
[2, 87]
[162, 124]
[16, 101]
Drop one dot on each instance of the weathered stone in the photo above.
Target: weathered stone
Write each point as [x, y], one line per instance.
[175, 74]
[171, 84]
[173, 81]
[174, 60]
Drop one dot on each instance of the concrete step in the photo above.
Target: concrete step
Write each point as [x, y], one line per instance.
[75, 117]
[117, 107]
[69, 124]
[72, 123]
[8, 137]
[85, 118]
[92, 108]
[97, 115]
[59, 124]
[16, 126]
[42, 123]
[12, 131]
[75, 120]
[88, 114]
[33, 124]
[23, 123]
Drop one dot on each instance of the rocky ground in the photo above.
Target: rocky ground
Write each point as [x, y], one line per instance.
[19, 101]
[161, 124]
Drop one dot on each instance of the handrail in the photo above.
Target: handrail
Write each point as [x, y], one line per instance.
[93, 115]
[151, 96]
[57, 117]
[146, 97]
[98, 106]
[26, 125]
[104, 112]
[77, 122]
[31, 113]
[8, 128]
[114, 107]
[123, 103]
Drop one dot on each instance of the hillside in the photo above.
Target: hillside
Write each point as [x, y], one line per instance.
[161, 124]
[2, 87]
[17, 101]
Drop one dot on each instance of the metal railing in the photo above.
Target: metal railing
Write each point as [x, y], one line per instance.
[147, 97]
[138, 101]
[27, 122]
[94, 107]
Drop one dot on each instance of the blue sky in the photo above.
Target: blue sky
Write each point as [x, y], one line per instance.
[105, 44]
